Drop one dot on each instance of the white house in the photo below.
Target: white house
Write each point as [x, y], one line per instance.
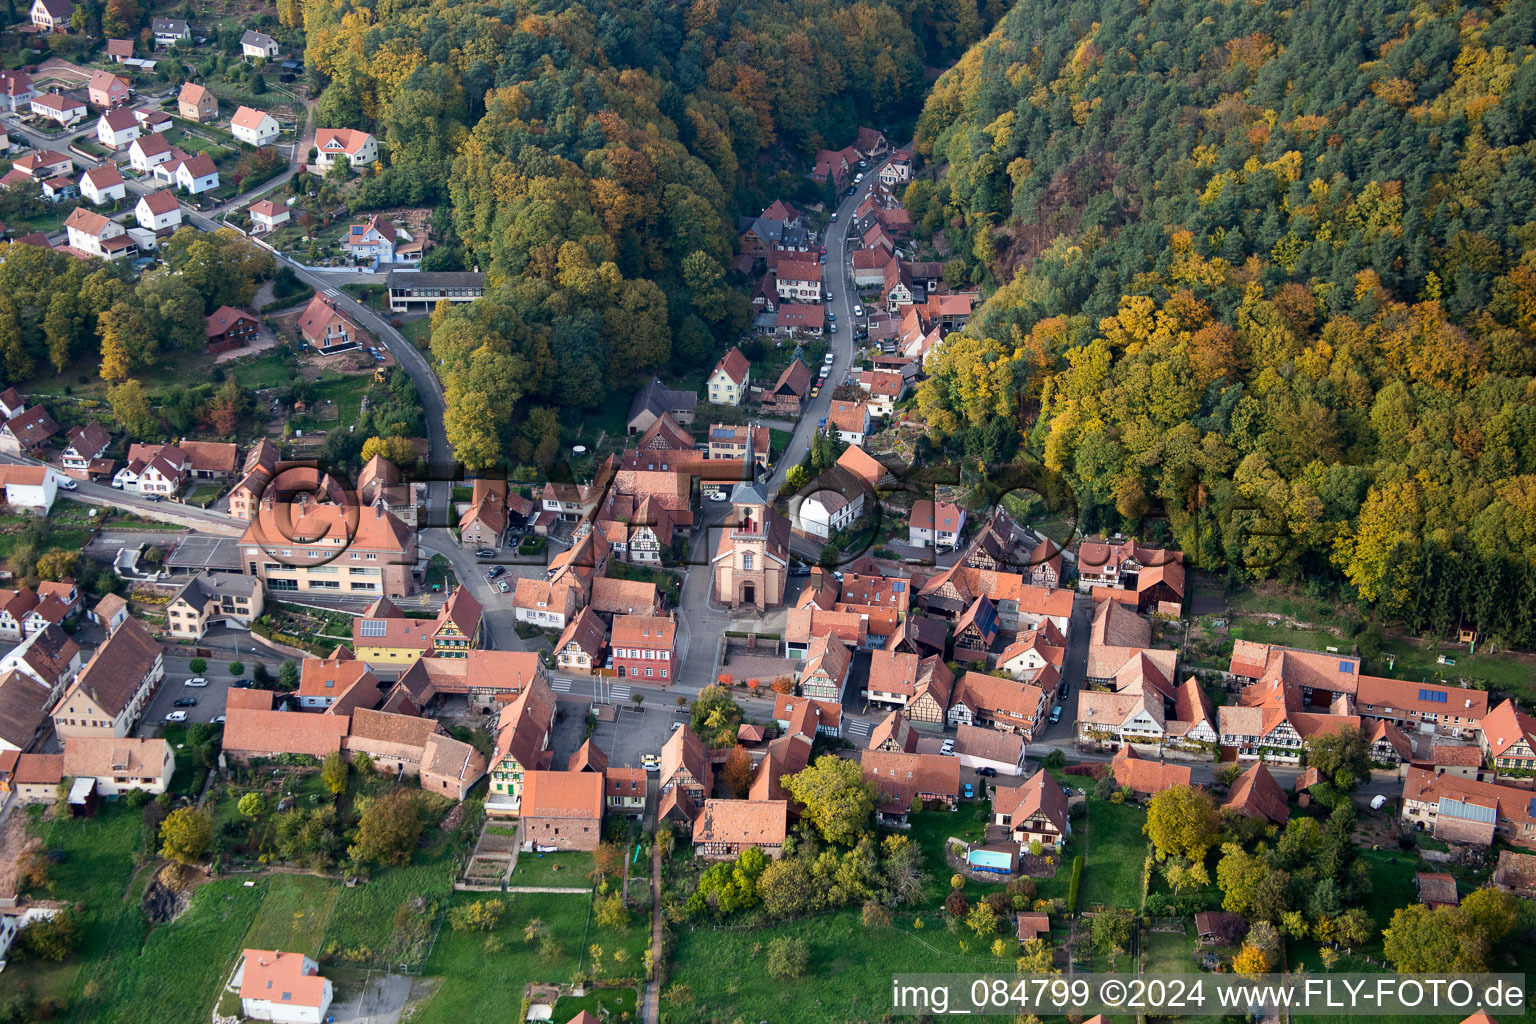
[52, 15]
[850, 420]
[58, 107]
[102, 185]
[935, 524]
[16, 91]
[148, 152]
[1003, 752]
[153, 469]
[14, 919]
[158, 212]
[117, 128]
[253, 127]
[169, 31]
[332, 144]
[267, 215]
[823, 512]
[258, 45]
[196, 174]
[95, 235]
[283, 987]
[380, 240]
[29, 487]
[152, 120]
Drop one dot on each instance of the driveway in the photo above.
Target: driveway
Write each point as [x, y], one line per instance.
[380, 999]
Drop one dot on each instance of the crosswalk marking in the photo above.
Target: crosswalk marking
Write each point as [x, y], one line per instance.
[332, 293]
[619, 692]
[858, 727]
[560, 685]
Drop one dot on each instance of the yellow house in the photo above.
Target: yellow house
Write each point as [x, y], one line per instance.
[728, 382]
[385, 636]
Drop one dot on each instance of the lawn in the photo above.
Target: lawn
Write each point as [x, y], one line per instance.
[389, 919]
[483, 974]
[294, 914]
[269, 371]
[1168, 953]
[203, 494]
[604, 1003]
[1504, 671]
[717, 974]
[568, 870]
[1116, 851]
[418, 331]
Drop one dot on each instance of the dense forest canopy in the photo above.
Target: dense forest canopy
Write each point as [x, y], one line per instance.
[1259, 261]
[596, 155]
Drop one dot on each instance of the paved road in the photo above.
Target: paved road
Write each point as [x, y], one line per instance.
[207, 519]
[837, 278]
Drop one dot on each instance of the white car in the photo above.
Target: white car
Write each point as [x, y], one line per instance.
[858, 310]
[948, 749]
[858, 178]
[196, 681]
[719, 496]
[69, 484]
[176, 716]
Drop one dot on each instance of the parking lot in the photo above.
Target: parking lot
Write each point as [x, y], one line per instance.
[210, 699]
[626, 740]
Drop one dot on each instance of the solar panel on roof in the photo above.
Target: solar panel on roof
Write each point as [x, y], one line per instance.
[1346, 666]
[372, 627]
[1436, 696]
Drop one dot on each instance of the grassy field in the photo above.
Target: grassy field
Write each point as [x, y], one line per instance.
[294, 914]
[418, 331]
[605, 1004]
[1116, 850]
[1505, 671]
[389, 919]
[1168, 953]
[568, 870]
[483, 974]
[268, 371]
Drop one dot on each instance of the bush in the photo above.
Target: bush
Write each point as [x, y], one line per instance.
[479, 916]
[1055, 759]
[1075, 884]
[237, 668]
[197, 666]
[787, 958]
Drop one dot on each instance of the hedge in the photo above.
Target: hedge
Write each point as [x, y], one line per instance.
[1075, 884]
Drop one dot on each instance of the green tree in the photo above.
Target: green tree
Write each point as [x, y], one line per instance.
[53, 938]
[611, 913]
[788, 958]
[479, 916]
[1111, 931]
[1182, 822]
[288, 676]
[389, 829]
[333, 772]
[185, 835]
[131, 407]
[1343, 756]
[786, 888]
[836, 799]
[1422, 941]
[252, 805]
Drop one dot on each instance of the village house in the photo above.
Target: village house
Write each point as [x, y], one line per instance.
[800, 319]
[935, 524]
[298, 548]
[1033, 652]
[727, 383]
[871, 144]
[227, 328]
[325, 329]
[357, 148]
[897, 170]
[686, 777]
[192, 174]
[745, 443]
[979, 748]
[522, 745]
[116, 129]
[152, 119]
[169, 31]
[656, 399]
[106, 90]
[16, 91]
[825, 672]
[624, 791]
[120, 765]
[1147, 778]
[28, 430]
[29, 488]
[44, 164]
[1460, 810]
[267, 215]
[153, 469]
[580, 647]
[885, 388]
[115, 686]
[253, 127]
[382, 242]
[258, 46]
[85, 445]
[892, 680]
[283, 987]
[212, 599]
[644, 646]
[1422, 707]
[724, 828]
[1005, 704]
[863, 465]
[563, 810]
[158, 212]
[1508, 739]
[119, 50]
[798, 281]
[24, 704]
[788, 392]
[52, 15]
[808, 716]
[1033, 812]
[823, 511]
[1256, 794]
[148, 152]
[94, 235]
[197, 103]
[935, 686]
[850, 420]
[383, 635]
[908, 781]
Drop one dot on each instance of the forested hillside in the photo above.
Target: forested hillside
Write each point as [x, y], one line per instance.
[596, 154]
[1264, 256]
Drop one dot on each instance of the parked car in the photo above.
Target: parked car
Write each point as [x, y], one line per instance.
[814, 392]
[485, 553]
[504, 587]
[652, 762]
[1055, 714]
[985, 772]
[858, 177]
[176, 716]
[494, 571]
[196, 681]
[69, 484]
[832, 327]
[184, 702]
[219, 720]
[968, 790]
[948, 748]
[858, 310]
[242, 684]
[719, 496]
[834, 220]
[821, 423]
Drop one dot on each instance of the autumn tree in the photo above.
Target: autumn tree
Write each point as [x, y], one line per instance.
[398, 450]
[131, 407]
[737, 771]
[389, 829]
[58, 565]
[333, 772]
[1422, 941]
[185, 835]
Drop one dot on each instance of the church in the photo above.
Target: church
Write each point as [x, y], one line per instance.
[751, 561]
